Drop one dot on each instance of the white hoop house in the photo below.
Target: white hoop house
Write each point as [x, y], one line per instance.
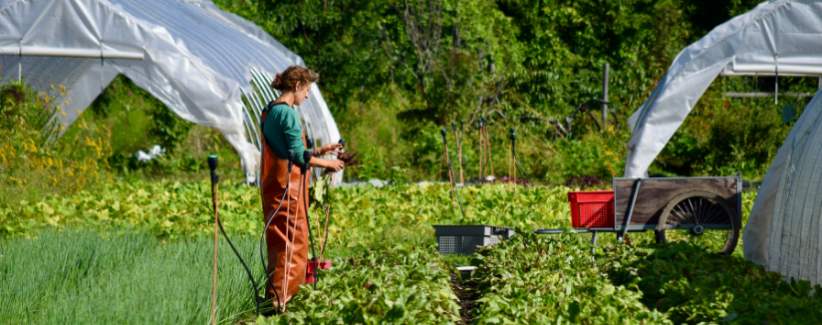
[190, 55]
[777, 38]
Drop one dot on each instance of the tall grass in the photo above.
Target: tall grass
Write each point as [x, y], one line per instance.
[87, 277]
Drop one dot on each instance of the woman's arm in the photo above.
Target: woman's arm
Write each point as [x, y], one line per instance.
[333, 165]
[329, 149]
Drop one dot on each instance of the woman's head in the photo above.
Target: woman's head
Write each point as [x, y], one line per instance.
[295, 79]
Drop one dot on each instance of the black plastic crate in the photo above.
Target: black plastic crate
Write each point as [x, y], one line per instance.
[465, 239]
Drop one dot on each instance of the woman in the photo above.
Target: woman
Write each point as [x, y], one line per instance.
[287, 233]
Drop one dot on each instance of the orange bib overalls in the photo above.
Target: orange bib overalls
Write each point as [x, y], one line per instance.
[285, 276]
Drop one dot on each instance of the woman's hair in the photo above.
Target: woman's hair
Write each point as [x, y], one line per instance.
[287, 80]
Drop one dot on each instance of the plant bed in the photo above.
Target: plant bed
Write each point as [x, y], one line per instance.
[467, 293]
[400, 284]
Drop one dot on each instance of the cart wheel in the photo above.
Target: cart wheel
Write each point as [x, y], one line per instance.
[702, 218]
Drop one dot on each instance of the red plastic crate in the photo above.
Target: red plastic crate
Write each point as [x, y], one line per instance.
[311, 270]
[592, 209]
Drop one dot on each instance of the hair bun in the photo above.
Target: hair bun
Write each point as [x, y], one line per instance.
[278, 82]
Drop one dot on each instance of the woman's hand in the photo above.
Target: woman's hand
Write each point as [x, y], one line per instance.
[332, 165]
[329, 149]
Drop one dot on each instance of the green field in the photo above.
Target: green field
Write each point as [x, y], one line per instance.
[63, 262]
[90, 235]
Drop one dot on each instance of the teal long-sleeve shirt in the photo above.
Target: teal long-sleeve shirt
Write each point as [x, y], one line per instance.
[283, 132]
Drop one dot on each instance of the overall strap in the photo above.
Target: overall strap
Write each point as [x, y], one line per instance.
[267, 109]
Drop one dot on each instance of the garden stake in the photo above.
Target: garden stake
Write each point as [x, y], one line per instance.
[488, 143]
[303, 185]
[328, 208]
[212, 164]
[290, 256]
[451, 172]
[485, 150]
[448, 159]
[457, 139]
[513, 154]
[459, 149]
[510, 157]
[482, 149]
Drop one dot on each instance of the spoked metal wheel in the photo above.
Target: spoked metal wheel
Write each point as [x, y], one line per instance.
[702, 218]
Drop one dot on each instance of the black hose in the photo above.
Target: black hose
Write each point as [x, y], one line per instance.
[247, 270]
[521, 169]
[459, 200]
[516, 161]
[262, 255]
[215, 180]
[451, 170]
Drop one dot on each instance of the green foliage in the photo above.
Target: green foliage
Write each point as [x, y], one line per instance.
[166, 210]
[725, 135]
[394, 73]
[27, 115]
[86, 277]
[33, 159]
[402, 284]
[530, 278]
[139, 121]
[692, 286]
[551, 279]
[360, 215]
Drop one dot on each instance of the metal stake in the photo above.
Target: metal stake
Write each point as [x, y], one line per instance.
[605, 97]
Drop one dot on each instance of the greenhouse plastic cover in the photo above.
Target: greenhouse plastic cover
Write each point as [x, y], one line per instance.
[775, 38]
[190, 55]
[784, 232]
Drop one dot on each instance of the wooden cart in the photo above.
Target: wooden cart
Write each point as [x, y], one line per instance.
[698, 209]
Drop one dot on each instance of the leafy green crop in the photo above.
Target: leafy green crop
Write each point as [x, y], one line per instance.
[542, 279]
[168, 210]
[390, 272]
[359, 215]
[553, 279]
[692, 286]
[403, 284]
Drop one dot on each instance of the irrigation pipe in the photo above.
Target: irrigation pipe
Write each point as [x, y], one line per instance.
[451, 171]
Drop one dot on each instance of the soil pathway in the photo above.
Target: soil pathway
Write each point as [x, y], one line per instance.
[465, 291]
